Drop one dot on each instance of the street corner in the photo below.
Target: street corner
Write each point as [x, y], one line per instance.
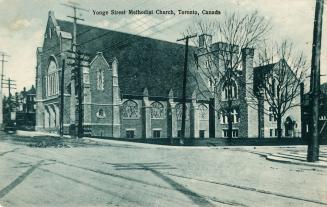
[298, 157]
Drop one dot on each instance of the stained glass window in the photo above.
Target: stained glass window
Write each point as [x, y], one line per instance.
[130, 110]
[157, 111]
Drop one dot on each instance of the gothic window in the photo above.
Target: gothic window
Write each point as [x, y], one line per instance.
[130, 110]
[101, 114]
[157, 111]
[230, 91]
[179, 111]
[100, 79]
[52, 79]
[203, 112]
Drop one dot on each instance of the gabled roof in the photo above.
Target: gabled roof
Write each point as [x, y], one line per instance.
[143, 62]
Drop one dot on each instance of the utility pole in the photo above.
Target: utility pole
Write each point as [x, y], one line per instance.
[3, 55]
[75, 7]
[62, 91]
[313, 146]
[184, 84]
[78, 62]
[10, 84]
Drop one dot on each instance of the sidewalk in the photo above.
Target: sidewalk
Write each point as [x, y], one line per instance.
[295, 156]
[298, 157]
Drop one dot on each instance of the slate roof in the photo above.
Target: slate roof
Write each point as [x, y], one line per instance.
[143, 62]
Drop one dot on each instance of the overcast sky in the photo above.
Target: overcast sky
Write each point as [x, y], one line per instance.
[22, 24]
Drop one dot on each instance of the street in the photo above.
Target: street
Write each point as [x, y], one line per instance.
[112, 173]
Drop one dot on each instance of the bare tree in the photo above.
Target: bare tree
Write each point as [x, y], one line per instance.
[280, 82]
[234, 31]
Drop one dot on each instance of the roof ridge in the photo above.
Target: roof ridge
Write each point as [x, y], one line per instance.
[126, 33]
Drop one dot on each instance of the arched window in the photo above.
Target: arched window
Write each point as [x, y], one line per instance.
[203, 112]
[157, 110]
[100, 79]
[130, 110]
[232, 87]
[52, 79]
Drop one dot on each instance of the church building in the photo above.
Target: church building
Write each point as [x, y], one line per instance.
[132, 86]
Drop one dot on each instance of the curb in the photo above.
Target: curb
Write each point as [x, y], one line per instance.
[275, 158]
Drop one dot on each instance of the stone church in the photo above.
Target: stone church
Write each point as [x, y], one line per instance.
[132, 87]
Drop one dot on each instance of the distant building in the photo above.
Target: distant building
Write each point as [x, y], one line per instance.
[306, 108]
[26, 109]
[132, 87]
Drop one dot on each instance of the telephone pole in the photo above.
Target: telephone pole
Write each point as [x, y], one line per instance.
[3, 56]
[79, 60]
[184, 84]
[75, 71]
[11, 85]
[62, 93]
[313, 146]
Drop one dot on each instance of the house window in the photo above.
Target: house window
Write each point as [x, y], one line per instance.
[156, 133]
[276, 132]
[202, 133]
[157, 110]
[100, 80]
[130, 110]
[130, 133]
[271, 132]
[235, 133]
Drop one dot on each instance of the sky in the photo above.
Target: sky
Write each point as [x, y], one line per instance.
[23, 22]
